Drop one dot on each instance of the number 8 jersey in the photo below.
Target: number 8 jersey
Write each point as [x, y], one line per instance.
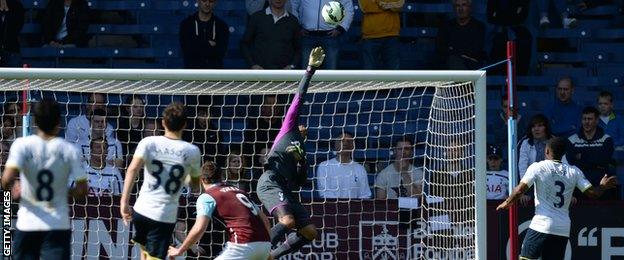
[167, 163]
[554, 184]
[45, 167]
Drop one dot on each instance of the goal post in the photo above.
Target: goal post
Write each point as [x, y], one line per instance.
[442, 110]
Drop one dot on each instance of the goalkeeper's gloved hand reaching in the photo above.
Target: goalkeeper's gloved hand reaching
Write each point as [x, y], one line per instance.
[317, 55]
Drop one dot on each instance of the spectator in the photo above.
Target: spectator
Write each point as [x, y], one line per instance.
[204, 38]
[591, 150]
[262, 130]
[13, 113]
[65, 23]
[152, 127]
[104, 179]
[235, 171]
[11, 23]
[9, 131]
[560, 7]
[564, 113]
[497, 179]
[454, 51]
[98, 130]
[4, 153]
[401, 178]
[272, 38]
[533, 145]
[342, 177]
[504, 113]
[318, 33]
[131, 124]
[381, 25]
[253, 6]
[204, 134]
[78, 128]
[611, 123]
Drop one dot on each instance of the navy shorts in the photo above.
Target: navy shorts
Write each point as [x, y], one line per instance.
[546, 246]
[153, 236]
[48, 245]
[274, 192]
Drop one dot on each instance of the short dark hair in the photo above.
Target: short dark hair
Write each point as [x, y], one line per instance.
[99, 112]
[404, 138]
[557, 146]
[98, 140]
[174, 116]
[606, 94]
[591, 110]
[47, 115]
[211, 177]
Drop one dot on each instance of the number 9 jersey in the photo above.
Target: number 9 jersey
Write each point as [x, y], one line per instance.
[167, 163]
[45, 167]
[554, 184]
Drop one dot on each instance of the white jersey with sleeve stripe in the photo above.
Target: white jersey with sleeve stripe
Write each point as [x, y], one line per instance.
[168, 162]
[554, 183]
[45, 167]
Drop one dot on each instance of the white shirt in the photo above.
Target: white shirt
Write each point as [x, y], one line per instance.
[45, 168]
[342, 180]
[497, 184]
[62, 32]
[554, 184]
[78, 132]
[389, 180]
[276, 18]
[104, 182]
[168, 162]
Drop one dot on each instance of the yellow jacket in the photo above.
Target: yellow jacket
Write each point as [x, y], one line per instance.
[381, 18]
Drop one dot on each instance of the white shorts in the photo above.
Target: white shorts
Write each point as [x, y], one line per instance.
[249, 251]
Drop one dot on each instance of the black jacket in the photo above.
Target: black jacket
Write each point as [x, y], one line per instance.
[195, 37]
[11, 23]
[78, 20]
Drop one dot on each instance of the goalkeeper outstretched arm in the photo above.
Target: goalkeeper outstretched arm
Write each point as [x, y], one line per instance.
[292, 116]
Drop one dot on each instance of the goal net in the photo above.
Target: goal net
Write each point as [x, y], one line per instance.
[418, 137]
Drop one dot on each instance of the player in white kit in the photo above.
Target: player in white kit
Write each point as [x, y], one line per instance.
[45, 163]
[168, 161]
[554, 181]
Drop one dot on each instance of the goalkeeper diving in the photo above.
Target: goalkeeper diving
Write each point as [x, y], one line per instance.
[286, 168]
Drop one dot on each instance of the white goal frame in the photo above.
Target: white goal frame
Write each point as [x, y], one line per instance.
[478, 78]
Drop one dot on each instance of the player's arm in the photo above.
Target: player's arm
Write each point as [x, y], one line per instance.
[78, 174]
[8, 177]
[265, 220]
[196, 172]
[131, 175]
[607, 182]
[515, 196]
[196, 232]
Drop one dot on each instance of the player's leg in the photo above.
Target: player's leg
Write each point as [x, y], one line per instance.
[271, 194]
[26, 245]
[533, 244]
[159, 238]
[556, 247]
[306, 231]
[56, 245]
[141, 227]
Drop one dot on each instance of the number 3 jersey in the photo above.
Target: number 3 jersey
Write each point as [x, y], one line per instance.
[45, 167]
[554, 184]
[233, 207]
[167, 163]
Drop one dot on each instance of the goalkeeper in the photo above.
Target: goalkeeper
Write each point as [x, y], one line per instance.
[286, 164]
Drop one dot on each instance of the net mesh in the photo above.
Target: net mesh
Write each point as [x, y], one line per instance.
[234, 122]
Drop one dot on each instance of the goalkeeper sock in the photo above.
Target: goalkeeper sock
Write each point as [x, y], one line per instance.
[292, 243]
[277, 233]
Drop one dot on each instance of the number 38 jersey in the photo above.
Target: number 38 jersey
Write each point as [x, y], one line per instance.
[554, 184]
[168, 162]
[45, 167]
[232, 206]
